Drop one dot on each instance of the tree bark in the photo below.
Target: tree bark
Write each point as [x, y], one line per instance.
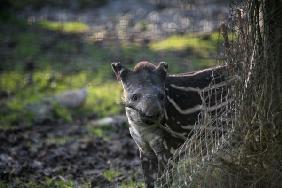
[272, 25]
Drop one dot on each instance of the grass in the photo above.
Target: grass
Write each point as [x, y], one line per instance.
[182, 42]
[102, 100]
[201, 43]
[101, 132]
[64, 62]
[111, 174]
[201, 48]
[67, 27]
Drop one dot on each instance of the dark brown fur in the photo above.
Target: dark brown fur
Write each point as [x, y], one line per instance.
[144, 65]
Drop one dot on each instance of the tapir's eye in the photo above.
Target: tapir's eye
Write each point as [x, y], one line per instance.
[161, 96]
[134, 97]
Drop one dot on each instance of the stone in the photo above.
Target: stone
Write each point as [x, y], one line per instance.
[72, 98]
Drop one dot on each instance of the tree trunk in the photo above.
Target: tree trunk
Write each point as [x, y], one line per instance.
[272, 25]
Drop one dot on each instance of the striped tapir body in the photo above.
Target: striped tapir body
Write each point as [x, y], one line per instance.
[162, 109]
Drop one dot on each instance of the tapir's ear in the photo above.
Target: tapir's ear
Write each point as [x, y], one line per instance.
[162, 68]
[120, 71]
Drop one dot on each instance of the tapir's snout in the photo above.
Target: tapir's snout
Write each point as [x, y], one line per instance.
[152, 109]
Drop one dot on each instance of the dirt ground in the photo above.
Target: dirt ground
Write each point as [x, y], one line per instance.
[68, 152]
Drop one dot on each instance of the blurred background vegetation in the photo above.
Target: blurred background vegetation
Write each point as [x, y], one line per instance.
[56, 46]
[41, 57]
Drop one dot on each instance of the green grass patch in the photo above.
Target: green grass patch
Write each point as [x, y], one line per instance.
[100, 131]
[104, 99]
[197, 42]
[62, 113]
[200, 49]
[97, 132]
[111, 174]
[194, 42]
[11, 81]
[67, 27]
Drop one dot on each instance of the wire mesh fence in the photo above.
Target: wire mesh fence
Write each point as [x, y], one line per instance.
[238, 144]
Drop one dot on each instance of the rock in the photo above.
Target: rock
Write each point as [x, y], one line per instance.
[109, 121]
[4, 158]
[44, 110]
[74, 147]
[36, 165]
[72, 99]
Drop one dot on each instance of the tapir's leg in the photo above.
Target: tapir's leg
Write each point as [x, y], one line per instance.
[162, 152]
[150, 168]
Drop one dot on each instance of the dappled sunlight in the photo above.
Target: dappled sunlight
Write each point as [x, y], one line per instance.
[200, 49]
[183, 42]
[67, 27]
[111, 174]
[104, 99]
[64, 60]
[11, 81]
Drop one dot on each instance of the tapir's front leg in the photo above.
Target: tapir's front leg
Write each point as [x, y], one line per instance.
[150, 168]
[162, 153]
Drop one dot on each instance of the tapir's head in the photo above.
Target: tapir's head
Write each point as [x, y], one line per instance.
[144, 91]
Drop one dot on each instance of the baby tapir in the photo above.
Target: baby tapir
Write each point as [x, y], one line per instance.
[161, 110]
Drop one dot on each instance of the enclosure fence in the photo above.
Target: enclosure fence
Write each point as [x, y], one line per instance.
[238, 144]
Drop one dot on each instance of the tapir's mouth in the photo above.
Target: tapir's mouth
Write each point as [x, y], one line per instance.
[149, 120]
